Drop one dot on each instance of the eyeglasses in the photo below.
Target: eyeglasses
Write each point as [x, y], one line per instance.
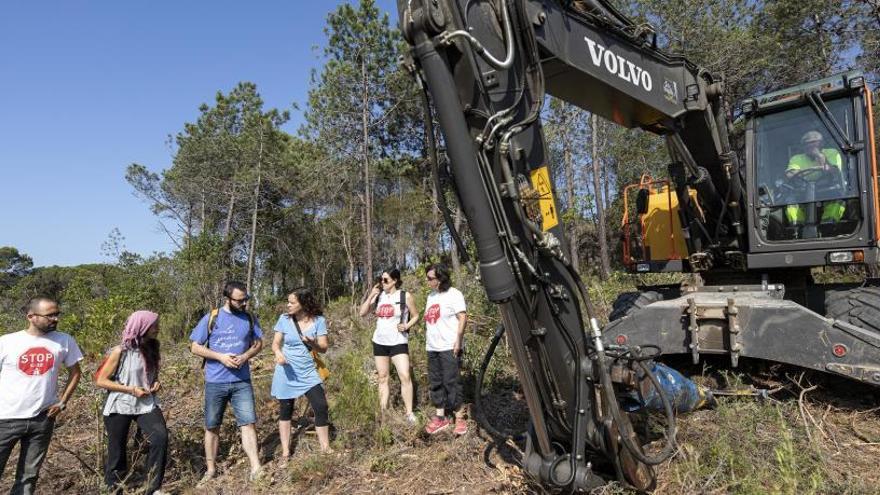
[386, 280]
[240, 301]
[54, 315]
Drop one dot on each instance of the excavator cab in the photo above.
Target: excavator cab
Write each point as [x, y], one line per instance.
[811, 175]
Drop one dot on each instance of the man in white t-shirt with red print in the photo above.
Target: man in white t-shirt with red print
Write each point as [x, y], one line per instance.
[29, 402]
[445, 321]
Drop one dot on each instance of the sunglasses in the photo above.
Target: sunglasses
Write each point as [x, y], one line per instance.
[55, 315]
[386, 280]
[242, 300]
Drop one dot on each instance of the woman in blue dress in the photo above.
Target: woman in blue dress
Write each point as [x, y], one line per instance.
[298, 332]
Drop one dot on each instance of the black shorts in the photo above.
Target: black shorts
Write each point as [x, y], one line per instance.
[390, 350]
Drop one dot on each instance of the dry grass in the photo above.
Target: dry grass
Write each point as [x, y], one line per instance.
[815, 436]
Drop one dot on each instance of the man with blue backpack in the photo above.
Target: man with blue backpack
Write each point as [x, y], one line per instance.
[227, 338]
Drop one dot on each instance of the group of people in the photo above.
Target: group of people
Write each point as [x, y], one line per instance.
[445, 322]
[226, 338]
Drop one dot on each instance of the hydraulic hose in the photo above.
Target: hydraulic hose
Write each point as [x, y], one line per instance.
[479, 413]
[435, 173]
[617, 415]
[481, 50]
[613, 406]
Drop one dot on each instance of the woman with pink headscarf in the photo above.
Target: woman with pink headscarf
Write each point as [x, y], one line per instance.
[131, 376]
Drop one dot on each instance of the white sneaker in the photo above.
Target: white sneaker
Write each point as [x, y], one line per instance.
[411, 418]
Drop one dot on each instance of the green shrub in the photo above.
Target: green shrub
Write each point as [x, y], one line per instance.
[355, 399]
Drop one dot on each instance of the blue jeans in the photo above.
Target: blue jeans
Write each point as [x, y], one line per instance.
[240, 394]
[34, 435]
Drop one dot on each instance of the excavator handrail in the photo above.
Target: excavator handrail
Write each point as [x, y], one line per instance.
[872, 156]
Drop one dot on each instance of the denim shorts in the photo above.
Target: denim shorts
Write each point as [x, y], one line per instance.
[240, 394]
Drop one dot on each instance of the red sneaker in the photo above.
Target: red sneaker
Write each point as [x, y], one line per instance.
[460, 427]
[436, 425]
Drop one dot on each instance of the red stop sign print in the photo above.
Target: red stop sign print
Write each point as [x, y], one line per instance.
[432, 314]
[36, 361]
[385, 311]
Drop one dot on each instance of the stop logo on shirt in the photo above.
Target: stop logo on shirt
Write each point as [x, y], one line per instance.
[441, 319]
[36, 361]
[385, 311]
[432, 314]
[29, 366]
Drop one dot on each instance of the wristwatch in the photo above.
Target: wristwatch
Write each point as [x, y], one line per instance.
[62, 405]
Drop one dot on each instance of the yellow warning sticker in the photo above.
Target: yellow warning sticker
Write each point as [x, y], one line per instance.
[541, 182]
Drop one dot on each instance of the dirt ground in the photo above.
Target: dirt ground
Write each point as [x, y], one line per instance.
[815, 435]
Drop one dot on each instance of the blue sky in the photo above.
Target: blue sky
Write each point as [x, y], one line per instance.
[87, 88]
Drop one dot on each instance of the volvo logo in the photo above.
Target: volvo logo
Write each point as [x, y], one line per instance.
[620, 66]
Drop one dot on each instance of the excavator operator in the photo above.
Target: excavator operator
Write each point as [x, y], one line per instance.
[815, 164]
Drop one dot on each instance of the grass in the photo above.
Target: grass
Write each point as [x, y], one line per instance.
[311, 470]
[744, 446]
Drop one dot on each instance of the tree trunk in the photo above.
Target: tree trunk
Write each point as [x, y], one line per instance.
[605, 265]
[400, 247]
[435, 206]
[189, 225]
[368, 189]
[252, 248]
[203, 214]
[568, 165]
[434, 235]
[822, 38]
[227, 231]
[348, 247]
[352, 268]
[606, 184]
[456, 256]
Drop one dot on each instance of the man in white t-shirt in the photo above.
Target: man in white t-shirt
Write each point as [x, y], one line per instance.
[29, 402]
[445, 321]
